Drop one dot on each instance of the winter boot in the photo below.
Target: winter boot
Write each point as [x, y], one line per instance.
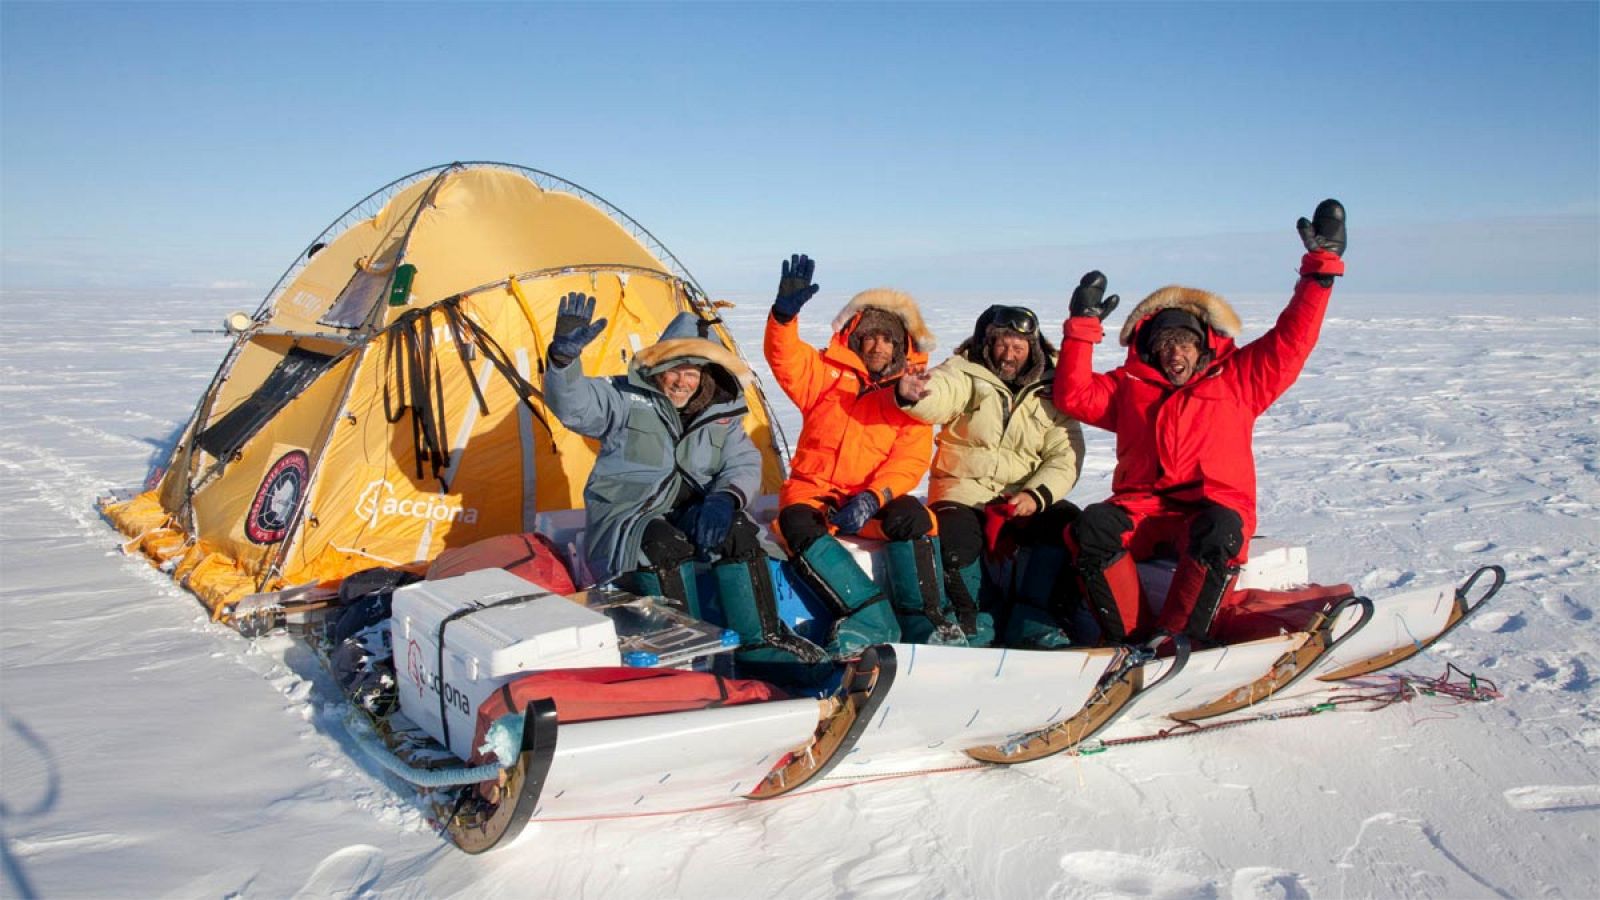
[677, 583]
[964, 586]
[1044, 594]
[916, 584]
[1112, 592]
[864, 615]
[750, 607]
[1194, 597]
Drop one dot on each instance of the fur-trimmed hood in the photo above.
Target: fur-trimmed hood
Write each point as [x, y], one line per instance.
[724, 375]
[701, 351]
[900, 304]
[1207, 307]
[1215, 315]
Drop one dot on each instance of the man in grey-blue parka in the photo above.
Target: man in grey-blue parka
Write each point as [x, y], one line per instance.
[674, 473]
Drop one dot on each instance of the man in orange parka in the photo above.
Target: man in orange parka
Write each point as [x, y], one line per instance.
[858, 458]
[1183, 407]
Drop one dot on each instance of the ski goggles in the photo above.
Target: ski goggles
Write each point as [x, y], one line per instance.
[1017, 318]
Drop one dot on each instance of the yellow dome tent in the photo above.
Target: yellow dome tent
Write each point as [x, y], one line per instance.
[383, 403]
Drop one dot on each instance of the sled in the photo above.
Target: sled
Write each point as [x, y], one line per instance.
[1327, 632]
[1132, 676]
[1209, 674]
[667, 762]
[1400, 619]
[947, 699]
[481, 819]
[865, 684]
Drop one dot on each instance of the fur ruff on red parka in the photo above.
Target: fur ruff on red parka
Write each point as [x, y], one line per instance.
[854, 436]
[1184, 445]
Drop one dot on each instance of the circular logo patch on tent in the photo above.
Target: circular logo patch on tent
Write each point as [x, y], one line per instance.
[278, 498]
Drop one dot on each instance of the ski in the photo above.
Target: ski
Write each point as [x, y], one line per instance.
[1461, 607]
[1117, 692]
[1292, 665]
[866, 682]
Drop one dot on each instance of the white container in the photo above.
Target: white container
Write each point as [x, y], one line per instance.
[516, 627]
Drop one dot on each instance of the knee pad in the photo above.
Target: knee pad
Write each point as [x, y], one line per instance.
[905, 519]
[744, 540]
[960, 534]
[663, 545]
[801, 526]
[1215, 536]
[1098, 531]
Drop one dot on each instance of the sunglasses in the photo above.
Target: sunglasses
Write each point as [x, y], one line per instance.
[1017, 318]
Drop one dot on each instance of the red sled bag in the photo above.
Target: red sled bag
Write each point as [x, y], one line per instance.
[530, 556]
[587, 695]
[1250, 615]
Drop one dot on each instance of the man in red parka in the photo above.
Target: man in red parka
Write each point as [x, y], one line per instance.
[1183, 407]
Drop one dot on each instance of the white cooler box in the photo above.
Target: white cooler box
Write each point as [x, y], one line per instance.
[529, 630]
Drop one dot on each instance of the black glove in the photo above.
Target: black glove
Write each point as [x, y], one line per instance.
[854, 514]
[1325, 231]
[574, 331]
[794, 287]
[1086, 297]
[715, 519]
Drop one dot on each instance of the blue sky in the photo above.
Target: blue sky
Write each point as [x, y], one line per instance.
[943, 147]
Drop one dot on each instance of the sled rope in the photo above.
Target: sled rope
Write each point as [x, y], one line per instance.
[1392, 689]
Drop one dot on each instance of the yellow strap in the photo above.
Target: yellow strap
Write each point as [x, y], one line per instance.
[527, 312]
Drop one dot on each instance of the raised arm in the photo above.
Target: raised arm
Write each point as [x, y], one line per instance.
[795, 364]
[937, 398]
[1078, 391]
[1267, 366]
[583, 404]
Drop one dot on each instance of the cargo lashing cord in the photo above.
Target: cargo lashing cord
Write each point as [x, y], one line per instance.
[411, 358]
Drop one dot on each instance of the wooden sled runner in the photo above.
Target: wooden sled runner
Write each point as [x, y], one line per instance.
[1328, 631]
[866, 682]
[1133, 676]
[1455, 608]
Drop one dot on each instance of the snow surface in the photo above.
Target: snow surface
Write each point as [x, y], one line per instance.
[147, 752]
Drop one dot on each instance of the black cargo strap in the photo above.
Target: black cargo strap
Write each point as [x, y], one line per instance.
[409, 357]
[418, 383]
[460, 322]
[463, 612]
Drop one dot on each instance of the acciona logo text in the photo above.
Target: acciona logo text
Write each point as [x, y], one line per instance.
[378, 502]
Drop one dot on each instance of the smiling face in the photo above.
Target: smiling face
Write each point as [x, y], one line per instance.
[1177, 354]
[1008, 353]
[877, 351]
[679, 383]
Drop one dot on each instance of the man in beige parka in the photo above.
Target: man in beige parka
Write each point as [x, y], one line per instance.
[1005, 461]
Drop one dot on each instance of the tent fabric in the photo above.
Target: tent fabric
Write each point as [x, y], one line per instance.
[329, 484]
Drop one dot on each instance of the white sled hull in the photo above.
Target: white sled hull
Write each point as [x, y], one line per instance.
[947, 699]
[671, 761]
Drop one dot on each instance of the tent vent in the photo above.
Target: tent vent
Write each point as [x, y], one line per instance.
[297, 370]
